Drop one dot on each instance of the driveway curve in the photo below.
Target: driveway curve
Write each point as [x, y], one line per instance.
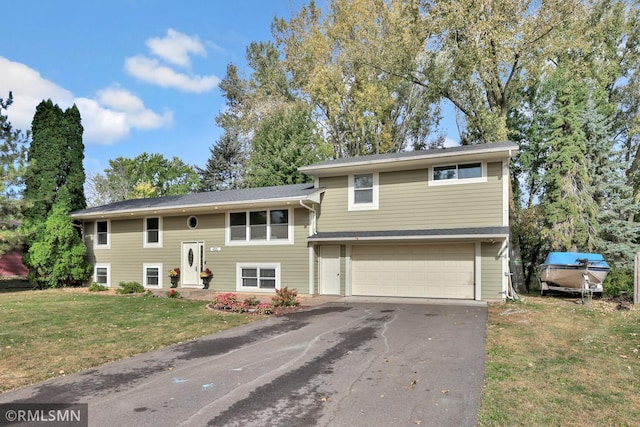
[339, 364]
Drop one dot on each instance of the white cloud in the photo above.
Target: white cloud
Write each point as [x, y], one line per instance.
[107, 118]
[176, 47]
[151, 71]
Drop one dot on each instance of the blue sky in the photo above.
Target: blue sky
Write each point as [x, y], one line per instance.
[144, 73]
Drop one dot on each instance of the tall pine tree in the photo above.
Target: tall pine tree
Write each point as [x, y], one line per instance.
[12, 157]
[225, 167]
[54, 163]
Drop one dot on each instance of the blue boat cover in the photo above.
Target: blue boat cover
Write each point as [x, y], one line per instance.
[571, 258]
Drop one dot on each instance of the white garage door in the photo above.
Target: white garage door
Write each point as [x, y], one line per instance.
[425, 271]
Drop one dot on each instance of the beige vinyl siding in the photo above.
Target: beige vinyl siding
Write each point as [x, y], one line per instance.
[491, 271]
[127, 254]
[406, 201]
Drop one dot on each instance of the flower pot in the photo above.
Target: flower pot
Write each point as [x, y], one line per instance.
[174, 282]
[205, 282]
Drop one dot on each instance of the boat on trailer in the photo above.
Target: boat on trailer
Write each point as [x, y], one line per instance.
[575, 272]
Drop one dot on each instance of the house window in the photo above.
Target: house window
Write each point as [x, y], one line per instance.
[102, 274]
[363, 191]
[258, 277]
[152, 232]
[152, 275]
[263, 226]
[192, 222]
[103, 237]
[458, 173]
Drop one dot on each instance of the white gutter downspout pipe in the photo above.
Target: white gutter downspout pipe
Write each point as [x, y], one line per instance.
[312, 231]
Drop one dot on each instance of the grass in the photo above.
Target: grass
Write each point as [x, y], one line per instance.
[555, 362]
[54, 332]
[550, 361]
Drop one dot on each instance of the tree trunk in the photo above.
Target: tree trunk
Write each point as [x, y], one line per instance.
[515, 260]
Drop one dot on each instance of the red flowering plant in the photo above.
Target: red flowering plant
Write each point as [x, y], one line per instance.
[173, 294]
[206, 273]
[175, 272]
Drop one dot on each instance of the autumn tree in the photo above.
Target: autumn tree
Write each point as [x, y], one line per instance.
[349, 63]
[146, 175]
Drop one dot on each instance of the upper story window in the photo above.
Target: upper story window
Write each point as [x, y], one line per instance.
[260, 226]
[363, 191]
[103, 234]
[152, 232]
[458, 173]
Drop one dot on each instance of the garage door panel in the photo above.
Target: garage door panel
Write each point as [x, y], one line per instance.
[427, 271]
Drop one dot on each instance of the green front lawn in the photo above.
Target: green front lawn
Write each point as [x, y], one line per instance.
[555, 362]
[49, 333]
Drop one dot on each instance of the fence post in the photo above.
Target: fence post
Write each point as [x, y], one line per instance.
[636, 279]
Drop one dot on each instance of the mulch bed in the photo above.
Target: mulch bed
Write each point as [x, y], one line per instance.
[277, 311]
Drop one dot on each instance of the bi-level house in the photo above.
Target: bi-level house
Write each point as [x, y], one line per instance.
[428, 224]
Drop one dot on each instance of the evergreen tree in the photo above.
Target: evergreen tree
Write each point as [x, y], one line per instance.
[569, 208]
[225, 167]
[54, 163]
[12, 157]
[58, 255]
[45, 156]
[72, 167]
[618, 236]
[283, 142]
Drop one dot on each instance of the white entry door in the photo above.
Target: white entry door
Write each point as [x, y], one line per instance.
[330, 270]
[192, 262]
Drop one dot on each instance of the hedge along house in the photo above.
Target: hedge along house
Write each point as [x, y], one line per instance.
[429, 224]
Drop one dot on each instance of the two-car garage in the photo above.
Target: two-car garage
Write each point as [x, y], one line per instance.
[423, 271]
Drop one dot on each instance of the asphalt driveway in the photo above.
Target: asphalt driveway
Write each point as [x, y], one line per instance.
[339, 364]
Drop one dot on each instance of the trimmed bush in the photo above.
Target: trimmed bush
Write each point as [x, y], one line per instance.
[130, 288]
[96, 287]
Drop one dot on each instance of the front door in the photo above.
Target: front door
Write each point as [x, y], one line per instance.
[330, 270]
[192, 262]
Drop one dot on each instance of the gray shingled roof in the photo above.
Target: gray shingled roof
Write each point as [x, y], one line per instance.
[434, 152]
[432, 232]
[295, 191]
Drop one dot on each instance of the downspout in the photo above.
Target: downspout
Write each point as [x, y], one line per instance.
[311, 249]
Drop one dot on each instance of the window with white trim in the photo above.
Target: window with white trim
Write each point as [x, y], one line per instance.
[363, 191]
[458, 173]
[257, 277]
[102, 274]
[260, 227]
[103, 235]
[152, 275]
[153, 232]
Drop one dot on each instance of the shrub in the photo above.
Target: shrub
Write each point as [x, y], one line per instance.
[252, 301]
[285, 297]
[173, 294]
[264, 308]
[96, 287]
[618, 280]
[224, 301]
[130, 288]
[239, 307]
